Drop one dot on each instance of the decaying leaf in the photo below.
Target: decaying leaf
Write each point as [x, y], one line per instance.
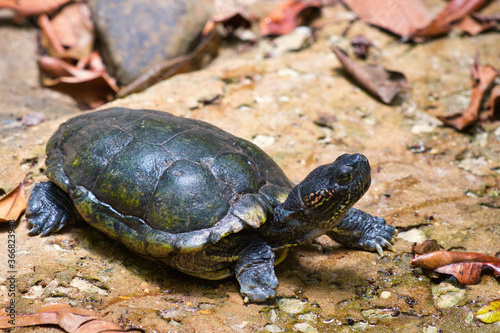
[494, 104]
[13, 204]
[490, 312]
[72, 320]
[69, 34]
[430, 245]
[482, 78]
[26, 8]
[474, 27]
[87, 82]
[380, 82]
[361, 45]
[442, 24]
[400, 17]
[288, 15]
[465, 266]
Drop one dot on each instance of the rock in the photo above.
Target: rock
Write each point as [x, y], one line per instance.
[308, 317]
[385, 294]
[413, 236]
[298, 39]
[264, 141]
[305, 327]
[291, 305]
[447, 295]
[134, 36]
[86, 287]
[272, 328]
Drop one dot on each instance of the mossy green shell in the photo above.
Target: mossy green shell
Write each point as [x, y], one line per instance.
[161, 183]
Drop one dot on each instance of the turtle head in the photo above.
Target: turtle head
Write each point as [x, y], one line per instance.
[328, 192]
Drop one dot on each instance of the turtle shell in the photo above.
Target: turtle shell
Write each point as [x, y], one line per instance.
[161, 183]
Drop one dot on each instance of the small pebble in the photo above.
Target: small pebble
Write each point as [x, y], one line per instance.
[385, 294]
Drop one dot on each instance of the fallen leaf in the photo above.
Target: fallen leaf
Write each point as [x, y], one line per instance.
[465, 266]
[13, 204]
[72, 320]
[69, 34]
[442, 24]
[91, 86]
[482, 78]
[26, 8]
[197, 59]
[490, 312]
[430, 245]
[401, 17]
[440, 258]
[474, 27]
[380, 82]
[288, 15]
[494, 103]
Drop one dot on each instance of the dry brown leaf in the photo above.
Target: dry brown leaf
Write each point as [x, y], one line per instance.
[72, 320]
[401, 17]
[288, 15]
[469, 272]
[380, 82]
[13, 204]
[98, 326]
[494, 103]
[70, 34]
[430, 245]
[91, 86]
[442, 24]
[474, 27]
[25, 8]
[482, 78]
[441, 258]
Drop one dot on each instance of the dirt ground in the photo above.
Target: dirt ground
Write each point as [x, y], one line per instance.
[428, 181]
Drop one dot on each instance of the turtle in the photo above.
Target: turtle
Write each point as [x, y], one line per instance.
[185, 193]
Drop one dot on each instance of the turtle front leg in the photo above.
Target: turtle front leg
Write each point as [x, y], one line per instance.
[364, 231]
[255, 271]
[49, 209]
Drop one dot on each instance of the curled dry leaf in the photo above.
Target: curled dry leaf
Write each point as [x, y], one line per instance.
[26, 8]
[380, 82]
[430, 245]
[494, 104]
[490, 312]
[288, 15]
[399, 17]
[13, 204]
[87, 82]
[465, 266]
[474, 27]
[442, 24]
[72, 320]
[70, 34]
[482, 78]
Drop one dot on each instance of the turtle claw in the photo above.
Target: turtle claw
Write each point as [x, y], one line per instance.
[33, 231]
[379, 249]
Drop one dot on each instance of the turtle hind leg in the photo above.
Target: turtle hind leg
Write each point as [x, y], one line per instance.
[49, 209]
[255, 271]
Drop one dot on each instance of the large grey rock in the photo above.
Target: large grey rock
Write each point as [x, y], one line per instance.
[135, 35]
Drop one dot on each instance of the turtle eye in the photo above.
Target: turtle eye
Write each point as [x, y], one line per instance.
[345, 176]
